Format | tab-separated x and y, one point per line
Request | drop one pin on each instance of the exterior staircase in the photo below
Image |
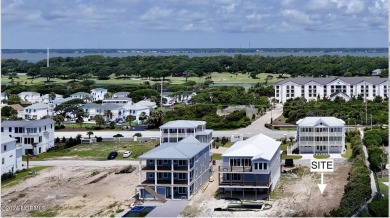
290	149
155	194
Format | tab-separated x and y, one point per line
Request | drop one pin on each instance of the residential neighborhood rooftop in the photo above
27	123
326	80
329	121
183	123
6	139
38	106
258	146
184	149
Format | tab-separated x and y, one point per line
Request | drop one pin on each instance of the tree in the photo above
156	118
130	119
14	99
89	134
224	140
13	76
59	119
291	139
108	114
80	114
143	117
8	111
70	106
48	73
99	120
52	96
108	95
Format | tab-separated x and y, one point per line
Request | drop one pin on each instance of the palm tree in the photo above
291	139
89	134
108	114
52	96
130	119
108	95
99	120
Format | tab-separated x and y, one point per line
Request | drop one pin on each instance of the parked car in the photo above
112	155
126	154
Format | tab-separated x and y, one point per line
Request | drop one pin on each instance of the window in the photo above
165	161
233	176
256	166
181	190
9	129
265	165
40	130
182	162
2	129
182	176
260	166
5	147
40	139
150	175
2	161
17	139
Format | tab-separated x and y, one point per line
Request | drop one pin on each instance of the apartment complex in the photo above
331	87
250	168
320	135
35	136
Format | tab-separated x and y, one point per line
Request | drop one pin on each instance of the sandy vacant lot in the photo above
66	192
301	196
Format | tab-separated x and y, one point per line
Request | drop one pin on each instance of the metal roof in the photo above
80	93
38	106
183	124
90	105
315	121
255	147
184	149
327	80
27	123
6	139
98	89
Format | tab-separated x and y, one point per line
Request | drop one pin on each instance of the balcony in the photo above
165	182
244	183
226	168
164	168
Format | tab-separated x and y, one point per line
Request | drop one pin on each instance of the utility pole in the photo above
161	93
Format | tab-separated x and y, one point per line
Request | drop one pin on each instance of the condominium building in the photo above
331	87
320	135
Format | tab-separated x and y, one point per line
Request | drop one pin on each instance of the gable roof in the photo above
258	146
184	149
90	105
121	93
27	123
80	93
6	139
38	106
29	93
312	121
183	123
327	80
17	107
98	89
109	106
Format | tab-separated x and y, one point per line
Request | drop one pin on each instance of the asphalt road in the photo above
255	128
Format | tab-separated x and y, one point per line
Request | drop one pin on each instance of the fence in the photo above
130	139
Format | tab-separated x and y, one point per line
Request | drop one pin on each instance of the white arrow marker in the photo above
322	186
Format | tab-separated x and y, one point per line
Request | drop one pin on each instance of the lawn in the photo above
227	145
217	157
21	176
285	156
216	77
226	78
99	150
384	189
348	153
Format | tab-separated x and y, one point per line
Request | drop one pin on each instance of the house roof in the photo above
6	139
205	132
146	103
17	107
98	89
80	93
312	121
38	106
90	105
29	93
327	80
258	146
184	149
120	98
109	106
340	94
183	123
27	123
134	107
122	93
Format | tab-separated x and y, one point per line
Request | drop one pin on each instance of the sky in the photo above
38	24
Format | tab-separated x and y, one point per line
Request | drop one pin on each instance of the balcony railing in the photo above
243	183
165	168
227	168
165	182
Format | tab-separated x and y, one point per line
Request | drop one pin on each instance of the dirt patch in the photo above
65	191
296	194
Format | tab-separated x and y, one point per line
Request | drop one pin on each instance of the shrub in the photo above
57	140
99	139
138	134
224	140
118	135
